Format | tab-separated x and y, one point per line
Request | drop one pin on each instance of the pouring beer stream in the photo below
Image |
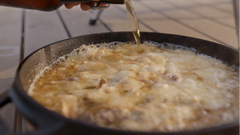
129	9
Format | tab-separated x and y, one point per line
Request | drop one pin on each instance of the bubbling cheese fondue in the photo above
140	88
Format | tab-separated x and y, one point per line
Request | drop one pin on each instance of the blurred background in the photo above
22	31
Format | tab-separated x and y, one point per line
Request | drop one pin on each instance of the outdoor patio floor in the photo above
23	31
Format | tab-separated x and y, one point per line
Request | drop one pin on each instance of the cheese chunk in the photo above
140	88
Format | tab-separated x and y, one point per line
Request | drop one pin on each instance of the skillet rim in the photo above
23	94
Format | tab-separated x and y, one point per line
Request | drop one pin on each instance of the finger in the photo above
102	5
70	5
85	6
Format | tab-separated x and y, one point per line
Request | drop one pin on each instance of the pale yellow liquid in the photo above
132	16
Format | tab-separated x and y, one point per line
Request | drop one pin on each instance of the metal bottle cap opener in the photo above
95	4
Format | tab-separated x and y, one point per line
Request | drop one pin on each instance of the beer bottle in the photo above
48	5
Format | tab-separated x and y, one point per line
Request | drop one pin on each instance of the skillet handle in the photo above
40	130
4	99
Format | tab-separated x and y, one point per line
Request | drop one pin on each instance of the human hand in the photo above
84	6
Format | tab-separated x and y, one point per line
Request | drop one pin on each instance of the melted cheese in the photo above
140	88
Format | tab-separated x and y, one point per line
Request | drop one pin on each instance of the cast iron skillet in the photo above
50	123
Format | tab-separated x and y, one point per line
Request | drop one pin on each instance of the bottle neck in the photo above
103	1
